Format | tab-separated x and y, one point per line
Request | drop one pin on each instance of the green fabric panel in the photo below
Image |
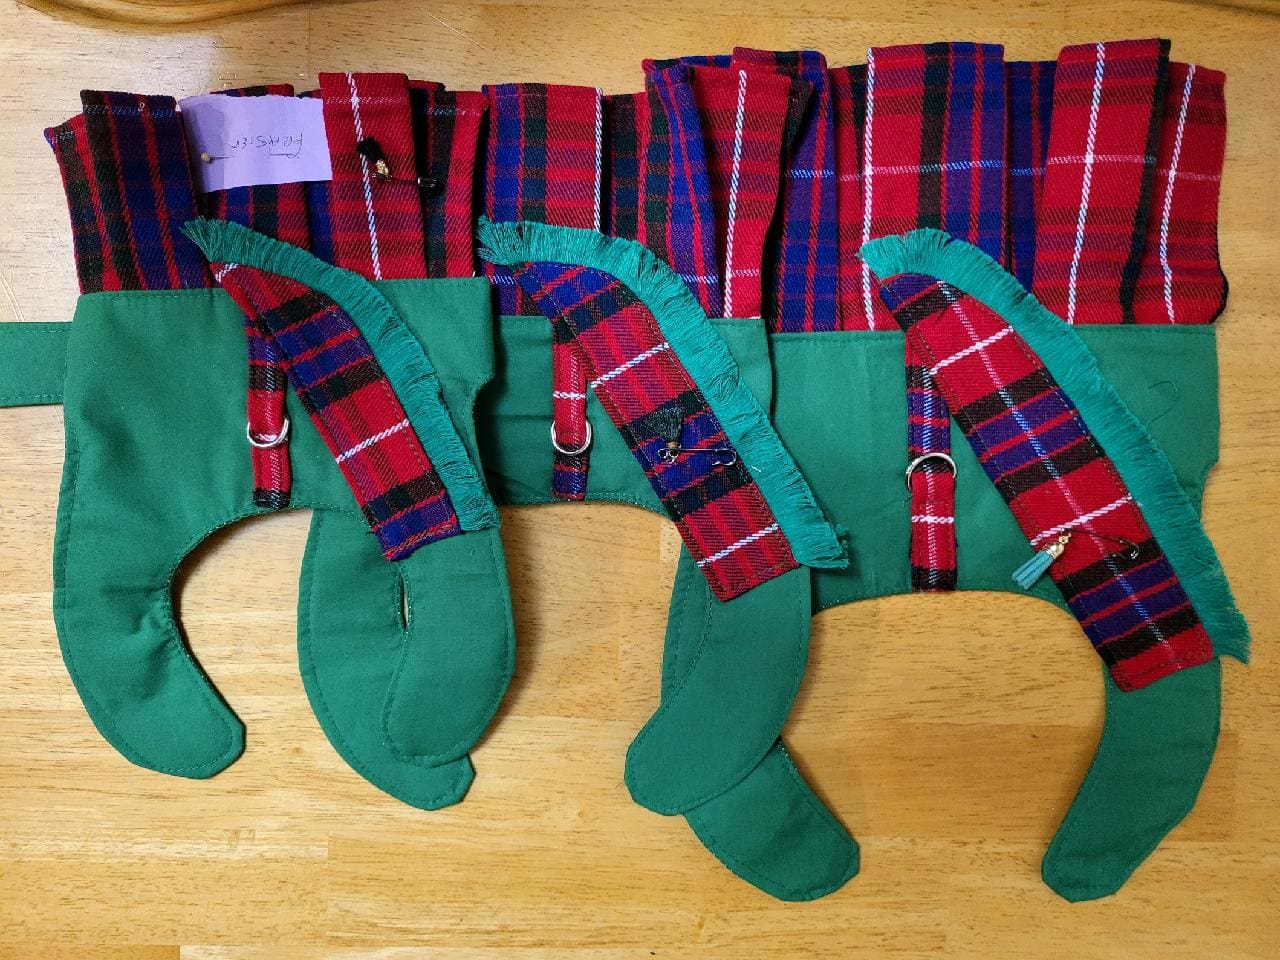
33	361
734	691
1157	744
350	640
459	652
146	480
515	416
769	828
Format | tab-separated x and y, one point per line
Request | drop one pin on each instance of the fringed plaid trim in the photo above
280	211
353	405
136	154
375	221
545	165
1099	178
446	133
1049	468
681	445
742	113
676	219
1030	92
1179	279
801	285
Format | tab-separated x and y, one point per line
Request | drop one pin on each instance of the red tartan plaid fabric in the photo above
705	488
135	153
446	134
801	286
742	113
1179	278
353	405
545	157
859	306
94	267
280	211
1099	177
1049	468
376	224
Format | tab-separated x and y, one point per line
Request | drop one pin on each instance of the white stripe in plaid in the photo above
1168	194
633	362
1087	181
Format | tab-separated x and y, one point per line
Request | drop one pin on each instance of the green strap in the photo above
351	639
1157	744
33	363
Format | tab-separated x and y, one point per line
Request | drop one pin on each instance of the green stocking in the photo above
1157	744
768	826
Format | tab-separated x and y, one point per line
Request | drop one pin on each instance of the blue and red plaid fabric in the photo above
94	268
800	288
1099	178
319	200
1049	468
545	164
1179	279
135	154
353	405
743	113
446	136
704	486
375	223
280	211
1030	92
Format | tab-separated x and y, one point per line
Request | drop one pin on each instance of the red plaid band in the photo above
446	134
280	211
1099	178
135	153
94	267
353	405
743	113
545	165
705	488
1179	277
1049	468
801	284
375	223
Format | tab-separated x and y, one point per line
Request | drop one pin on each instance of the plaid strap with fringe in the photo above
545	165
667	422
353	405
375	223
1049	468
280	211
801	284
1099	178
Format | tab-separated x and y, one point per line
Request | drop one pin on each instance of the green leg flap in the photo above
1157	744
459	651
351	640
733	692
769	828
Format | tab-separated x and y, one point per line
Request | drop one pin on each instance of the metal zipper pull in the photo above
371	150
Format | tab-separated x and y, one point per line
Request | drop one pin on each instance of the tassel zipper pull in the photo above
1035	568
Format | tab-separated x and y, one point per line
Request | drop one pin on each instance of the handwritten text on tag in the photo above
245	141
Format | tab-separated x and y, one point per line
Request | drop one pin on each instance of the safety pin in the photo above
672	452
372	152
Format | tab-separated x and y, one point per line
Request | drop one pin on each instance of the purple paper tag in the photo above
246	141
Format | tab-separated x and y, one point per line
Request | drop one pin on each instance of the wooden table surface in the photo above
951	773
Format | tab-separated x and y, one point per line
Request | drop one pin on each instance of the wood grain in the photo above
949	733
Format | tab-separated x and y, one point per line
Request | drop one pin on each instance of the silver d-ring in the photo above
919	461
575	452
267	443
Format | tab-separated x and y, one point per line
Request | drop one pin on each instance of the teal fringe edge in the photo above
395	348
814	542
1142	464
